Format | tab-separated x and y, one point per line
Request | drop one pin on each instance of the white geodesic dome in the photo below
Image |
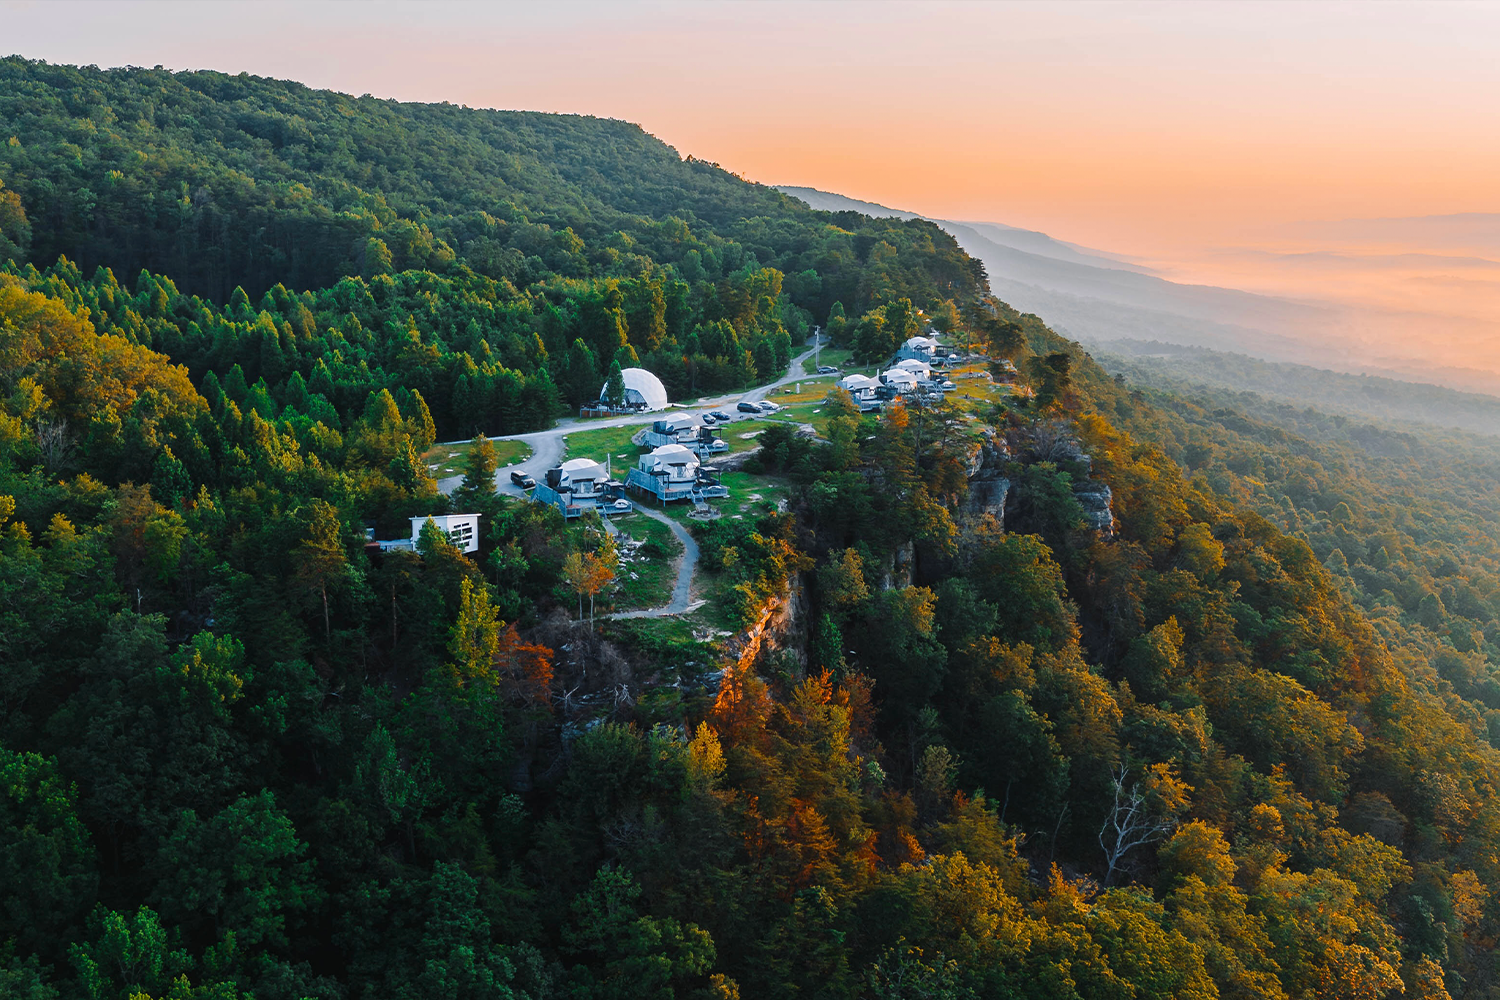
641	388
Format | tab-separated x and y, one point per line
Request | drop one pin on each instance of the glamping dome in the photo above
899	377
673	461
643	390
583	475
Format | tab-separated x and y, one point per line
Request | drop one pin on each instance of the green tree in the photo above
1051	377
127	955
240	872
375	258
479	467
626	955
321	559
614	389
47	862
15	229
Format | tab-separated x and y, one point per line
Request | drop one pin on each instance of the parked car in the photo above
748	407
720	416
827	370
522	480
709	418
767	406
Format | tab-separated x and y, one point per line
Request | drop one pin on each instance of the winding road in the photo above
549	446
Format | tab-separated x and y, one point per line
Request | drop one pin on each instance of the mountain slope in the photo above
225	181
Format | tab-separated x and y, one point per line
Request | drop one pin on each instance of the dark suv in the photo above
522	480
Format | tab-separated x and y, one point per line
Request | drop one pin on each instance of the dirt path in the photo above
682	590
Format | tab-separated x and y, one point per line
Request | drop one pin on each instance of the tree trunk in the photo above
327	628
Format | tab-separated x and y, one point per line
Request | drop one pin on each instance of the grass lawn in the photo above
810	389
838	357
653	573
742	435
975	393
750	496
445	460
612	441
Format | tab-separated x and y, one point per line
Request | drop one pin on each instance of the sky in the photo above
1133	126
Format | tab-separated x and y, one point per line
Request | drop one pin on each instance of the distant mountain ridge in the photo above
1024	240
1097	297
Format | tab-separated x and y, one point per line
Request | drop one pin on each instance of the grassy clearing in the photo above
975	393
446	460
806	391
750	496
602	441
645	580
742	435
688	645
838	357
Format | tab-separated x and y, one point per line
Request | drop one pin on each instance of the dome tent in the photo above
582	470
642	390
671	460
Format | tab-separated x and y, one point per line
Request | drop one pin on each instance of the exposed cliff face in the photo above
1097	501
781	624
900	567
988	485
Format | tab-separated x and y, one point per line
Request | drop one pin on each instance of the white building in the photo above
679	428
920	368
462	529
643	391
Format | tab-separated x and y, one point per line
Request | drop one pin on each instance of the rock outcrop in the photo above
1097	501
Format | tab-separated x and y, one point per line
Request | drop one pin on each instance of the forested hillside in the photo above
549	247
1101	691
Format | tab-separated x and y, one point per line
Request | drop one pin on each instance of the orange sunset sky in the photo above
1199	137
1125	125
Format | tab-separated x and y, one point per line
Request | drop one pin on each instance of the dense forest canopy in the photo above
513	257
1116	688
